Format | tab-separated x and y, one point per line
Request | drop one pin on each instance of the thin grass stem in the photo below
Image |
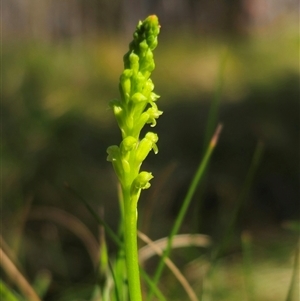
100	221
216	100
240	201
117	294
153	286
210	127
186	202
246	240
6	293
16	276
294	284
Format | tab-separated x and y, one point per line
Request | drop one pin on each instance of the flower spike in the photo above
136	108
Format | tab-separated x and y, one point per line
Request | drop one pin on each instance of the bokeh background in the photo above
61	61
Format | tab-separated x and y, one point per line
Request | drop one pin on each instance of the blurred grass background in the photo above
60	67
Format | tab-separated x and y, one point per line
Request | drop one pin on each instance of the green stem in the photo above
187	200
131	251
240	202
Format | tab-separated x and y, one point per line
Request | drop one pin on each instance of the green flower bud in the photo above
141	121
138	97
154	96
134	62
113	153
146	34
118	111
139	81
115	157
145	146
148	87
120	114
152	27
125	84
149	66
153	114
141	181
143	47
129	123
125	166
128	144
152	41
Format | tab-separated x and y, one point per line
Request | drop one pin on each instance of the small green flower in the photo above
145	146
139	183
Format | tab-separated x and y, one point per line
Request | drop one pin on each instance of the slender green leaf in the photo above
186	202
100	221
7	294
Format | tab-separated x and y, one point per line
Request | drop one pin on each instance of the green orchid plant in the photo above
136	108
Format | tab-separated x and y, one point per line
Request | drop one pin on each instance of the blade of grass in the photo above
22	217
42	282
121	275
294	284
246	240
210	126
6	293
117	294
146	216
186	202
215	104
103	277
240	201
16	276
100	221
153	286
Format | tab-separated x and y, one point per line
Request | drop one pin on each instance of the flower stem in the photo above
131	253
